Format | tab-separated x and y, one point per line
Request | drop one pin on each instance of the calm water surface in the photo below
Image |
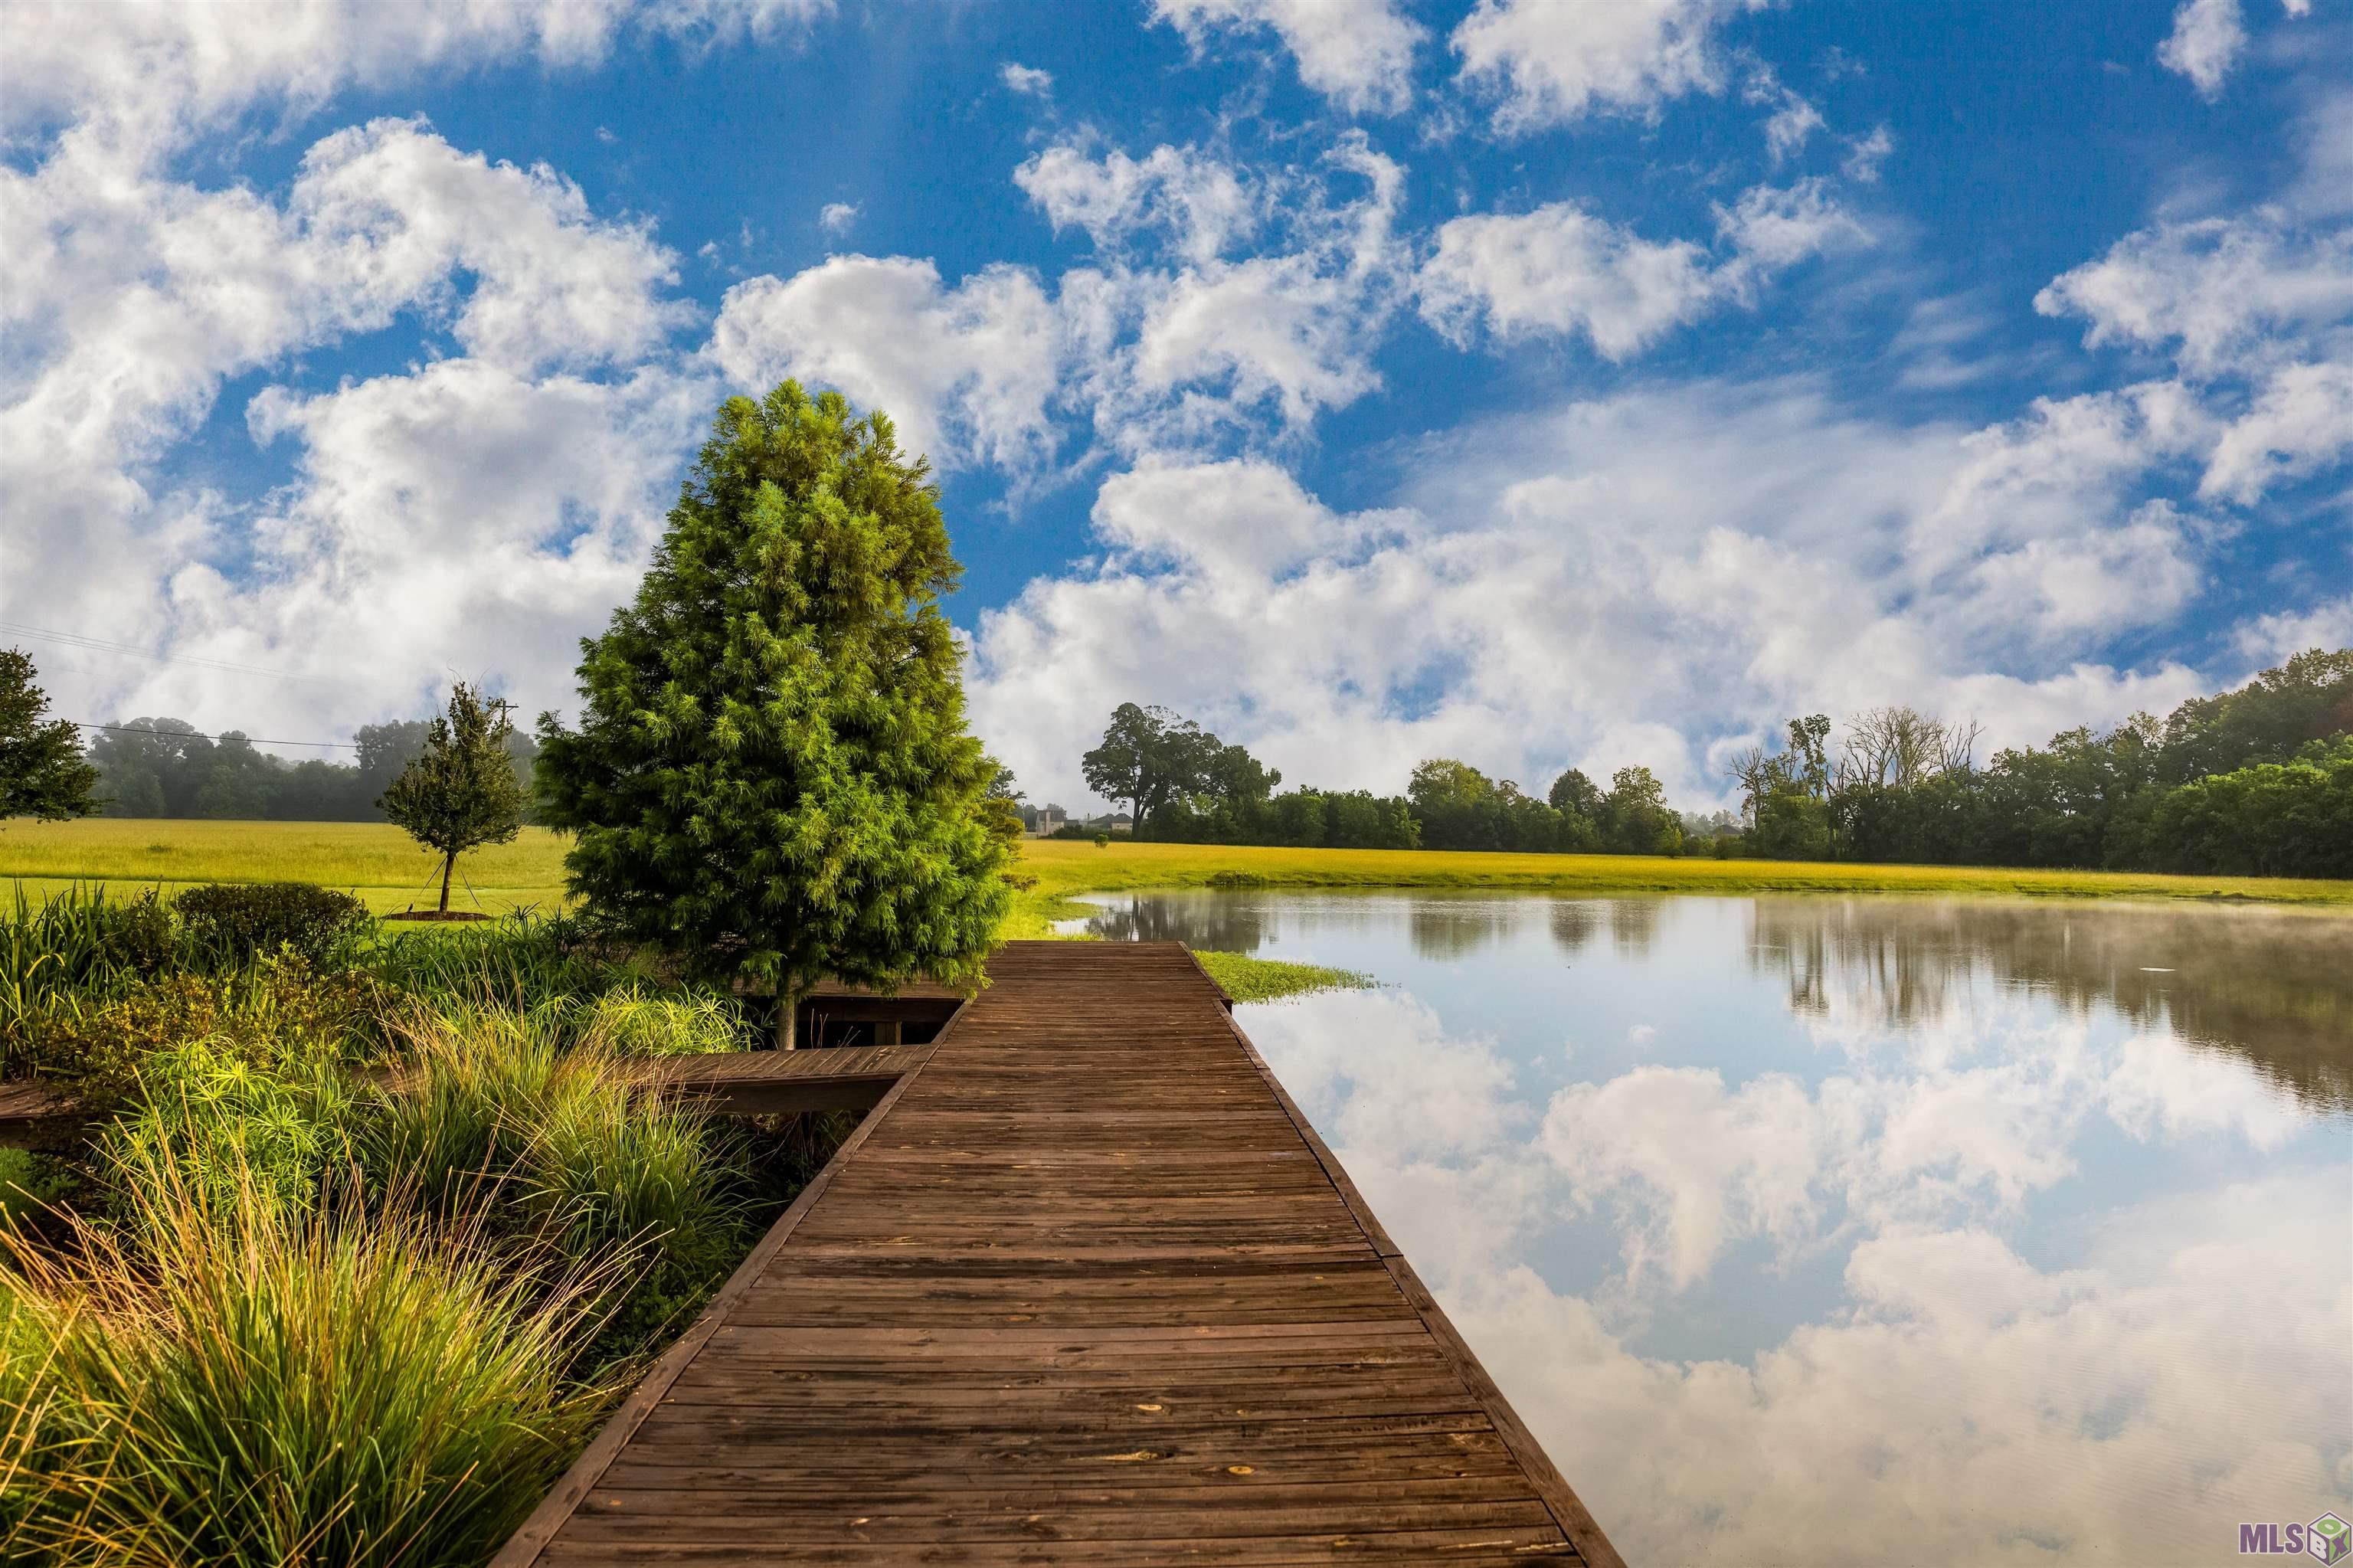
1861	1231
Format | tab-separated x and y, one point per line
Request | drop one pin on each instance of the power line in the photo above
101	645
199	734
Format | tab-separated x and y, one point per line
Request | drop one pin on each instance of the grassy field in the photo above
382	866
374	860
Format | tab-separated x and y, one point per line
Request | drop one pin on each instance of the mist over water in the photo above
1858	1230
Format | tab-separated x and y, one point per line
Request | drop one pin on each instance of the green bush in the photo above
234	922
293	1389
30	1184
277	1009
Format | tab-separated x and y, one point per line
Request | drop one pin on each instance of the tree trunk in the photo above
787	1004
448	862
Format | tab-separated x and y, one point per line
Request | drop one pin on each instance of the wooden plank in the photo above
1085	1288
34	1114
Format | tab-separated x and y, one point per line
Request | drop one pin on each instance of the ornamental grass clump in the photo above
523	963
500	1124
287	1390
455	1131
632	1021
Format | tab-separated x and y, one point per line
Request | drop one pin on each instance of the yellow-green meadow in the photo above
389	872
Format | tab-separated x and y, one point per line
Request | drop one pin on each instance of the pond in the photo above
1858	1230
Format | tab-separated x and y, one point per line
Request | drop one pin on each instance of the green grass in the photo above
1064	867
309	1389
385	869
1247	979
376	860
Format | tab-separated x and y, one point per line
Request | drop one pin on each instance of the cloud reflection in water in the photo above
2010	1250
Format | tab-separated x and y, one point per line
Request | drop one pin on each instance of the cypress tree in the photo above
772	777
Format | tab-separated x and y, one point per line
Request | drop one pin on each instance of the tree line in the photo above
2257	782
1183	784
166	767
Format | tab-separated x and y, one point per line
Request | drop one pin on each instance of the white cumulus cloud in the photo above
1562	270
1358	53
1547	62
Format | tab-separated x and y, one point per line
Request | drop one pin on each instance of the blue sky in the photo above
1536	383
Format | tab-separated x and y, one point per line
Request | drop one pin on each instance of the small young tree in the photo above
461	791
772	776
42	770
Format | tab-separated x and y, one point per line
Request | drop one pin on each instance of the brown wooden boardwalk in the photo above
1083	1288
767	1083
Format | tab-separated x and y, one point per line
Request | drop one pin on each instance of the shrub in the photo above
30	1184
293	1389
234	922
275	1011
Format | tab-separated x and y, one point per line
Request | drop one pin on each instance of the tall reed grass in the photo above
337	1388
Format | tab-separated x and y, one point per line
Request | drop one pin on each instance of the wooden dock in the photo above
774	1083
1085	1288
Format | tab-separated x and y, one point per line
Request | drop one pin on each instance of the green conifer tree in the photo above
772	776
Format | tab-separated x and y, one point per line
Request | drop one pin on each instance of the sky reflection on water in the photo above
1862	1231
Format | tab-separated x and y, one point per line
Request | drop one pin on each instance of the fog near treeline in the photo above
166	767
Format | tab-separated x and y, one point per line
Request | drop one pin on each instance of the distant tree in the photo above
1573	791
1236	780
2310	697
239	782
152	766
1000	803
522	755
772	776
384	750
1635	816
1149	757
461	792
42	770
1809	742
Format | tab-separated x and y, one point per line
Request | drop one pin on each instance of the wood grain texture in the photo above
1085	1288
